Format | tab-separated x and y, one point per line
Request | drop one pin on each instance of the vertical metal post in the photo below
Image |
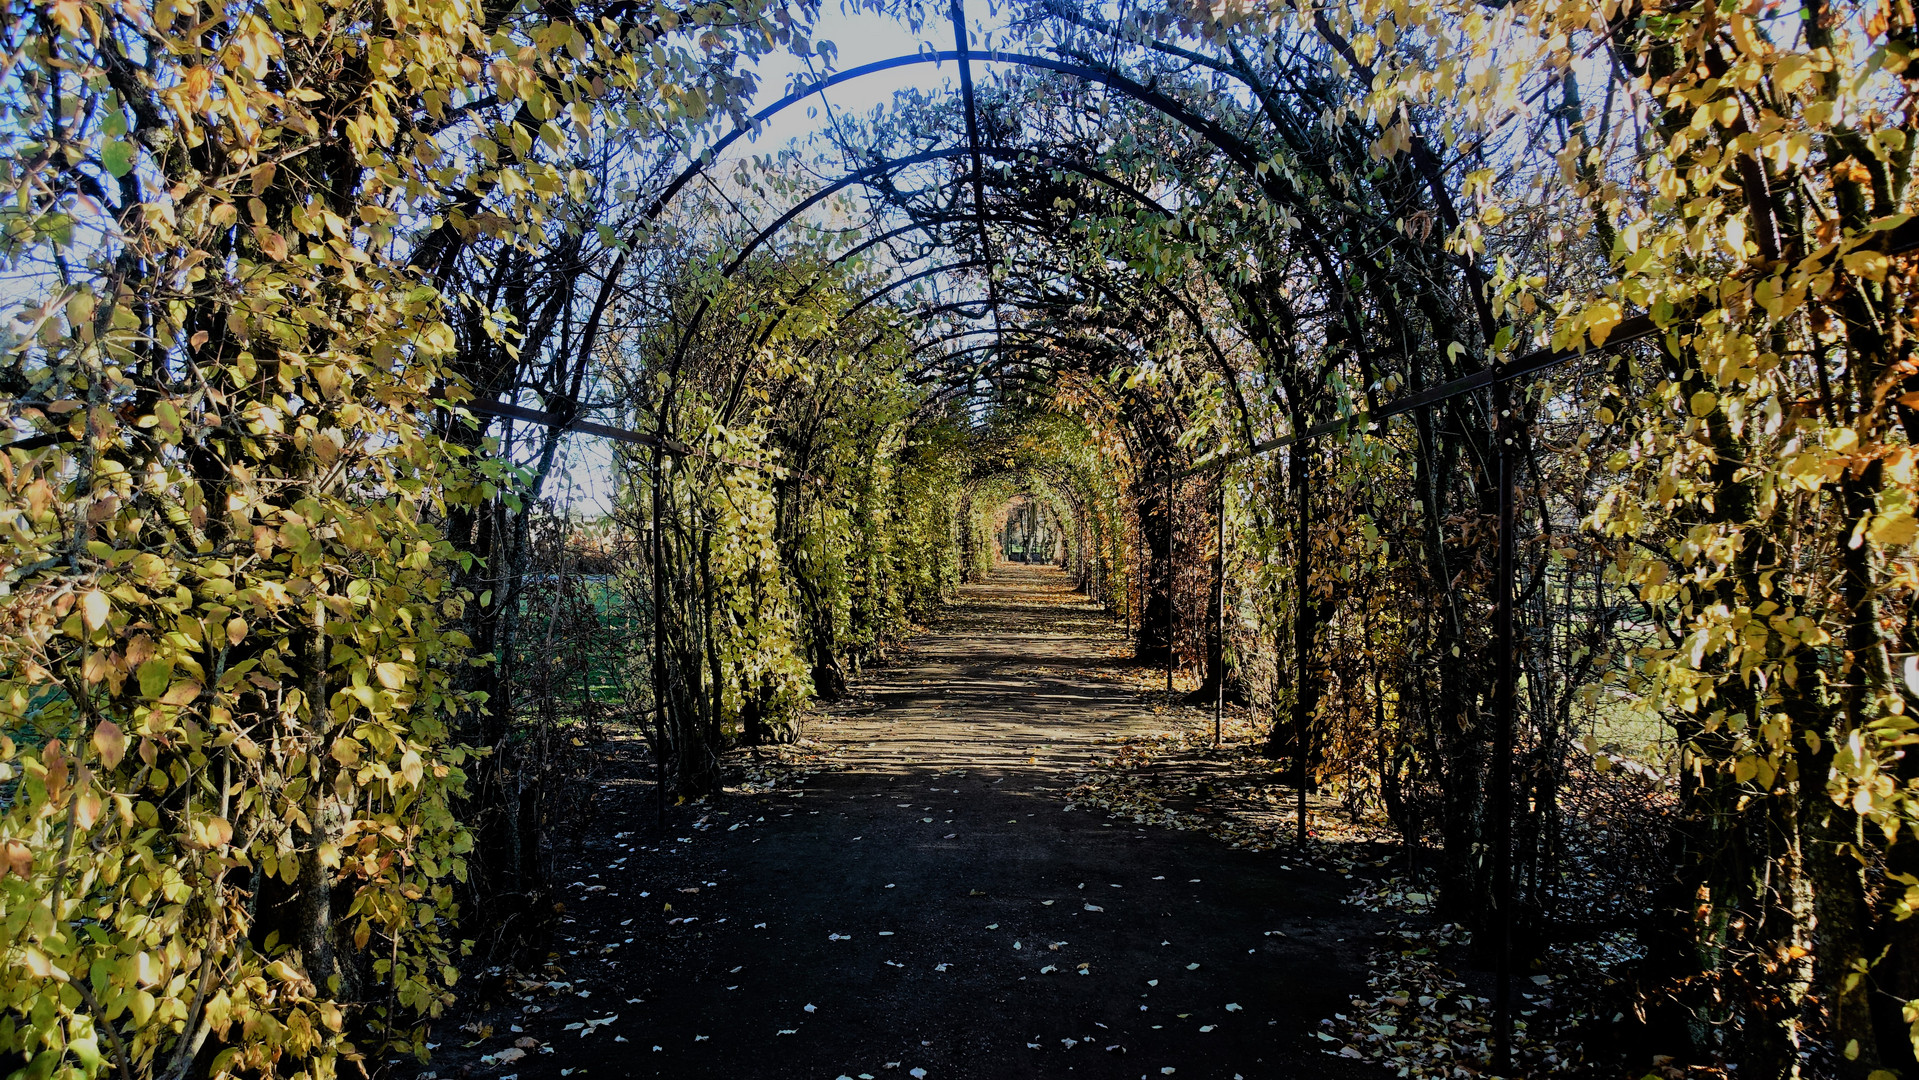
1506	428
1219	609
1167	506
963	45
1302	576
661	695
1136	577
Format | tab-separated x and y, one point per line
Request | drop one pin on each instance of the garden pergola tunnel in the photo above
961	366
1503	418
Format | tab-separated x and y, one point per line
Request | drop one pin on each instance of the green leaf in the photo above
154	677
117	158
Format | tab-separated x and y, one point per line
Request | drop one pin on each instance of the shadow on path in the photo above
938	904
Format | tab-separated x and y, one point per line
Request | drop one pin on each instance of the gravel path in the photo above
930	902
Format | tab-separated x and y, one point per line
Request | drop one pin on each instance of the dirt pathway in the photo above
934	903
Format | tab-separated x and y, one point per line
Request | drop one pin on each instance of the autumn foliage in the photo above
274	717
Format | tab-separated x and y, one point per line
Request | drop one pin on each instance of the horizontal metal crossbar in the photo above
1899	241
576	423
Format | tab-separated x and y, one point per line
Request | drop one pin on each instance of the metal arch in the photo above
1235	148
705	304
1032	331
1186	309
1002	347
962	46
881	168
1013	154
739	383
1069	342
962	306
1087	171
869	298
746	251
1021	329
845	256
1115	284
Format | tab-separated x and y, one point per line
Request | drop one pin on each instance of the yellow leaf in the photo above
86	809
180	693
1895	529
110	743
93	609
285	972
391	675
273	245
1867	264
1601	318
410	767
1703	403
212	832
236	630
